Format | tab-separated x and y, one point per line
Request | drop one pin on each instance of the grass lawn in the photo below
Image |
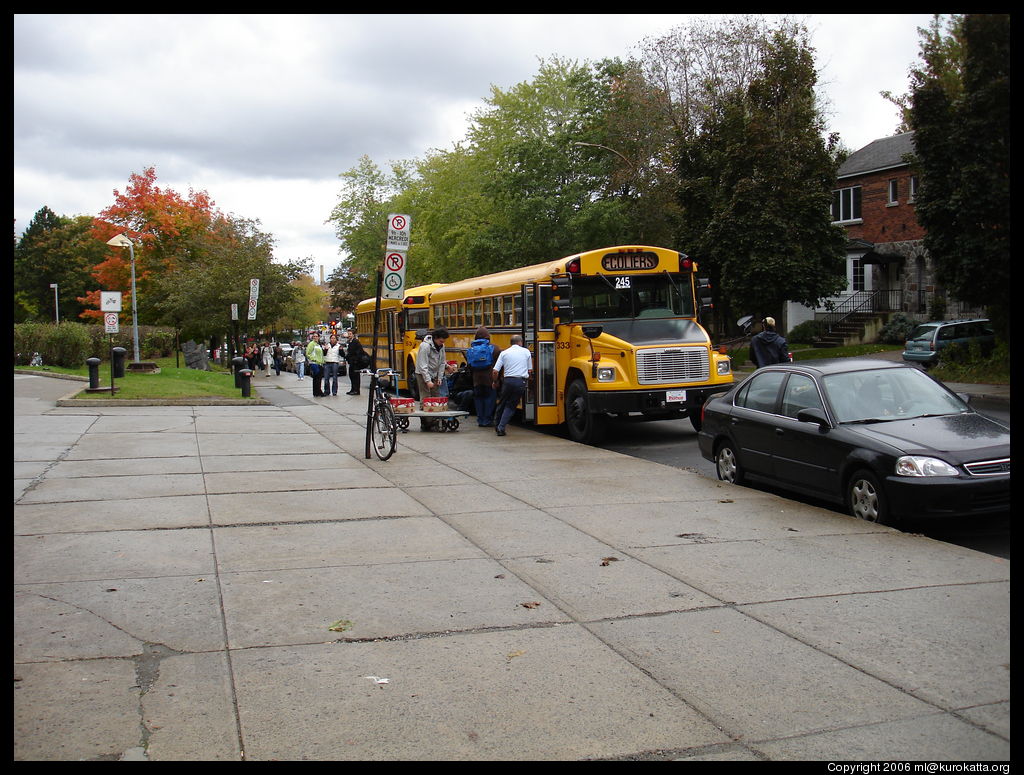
171	382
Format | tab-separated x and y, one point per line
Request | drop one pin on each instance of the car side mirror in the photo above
815	416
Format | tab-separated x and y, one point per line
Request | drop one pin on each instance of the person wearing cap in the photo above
768	347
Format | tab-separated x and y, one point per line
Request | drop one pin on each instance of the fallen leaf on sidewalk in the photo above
530	605
340	626
512	655
608	560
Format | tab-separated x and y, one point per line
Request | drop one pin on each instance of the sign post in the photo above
254	297
390	285
111	326
393	282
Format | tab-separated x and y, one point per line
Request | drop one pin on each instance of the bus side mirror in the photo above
561	299
704	302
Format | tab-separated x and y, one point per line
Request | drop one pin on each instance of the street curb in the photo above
68	400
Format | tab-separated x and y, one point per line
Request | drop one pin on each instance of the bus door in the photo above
539	337
394	338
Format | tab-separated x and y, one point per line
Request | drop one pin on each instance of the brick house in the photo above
887	267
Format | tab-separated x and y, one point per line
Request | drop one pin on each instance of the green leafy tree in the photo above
360	215
347	288
942	55
197	296
54	249
755	185
961	119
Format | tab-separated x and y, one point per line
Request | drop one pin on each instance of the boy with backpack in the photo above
481	357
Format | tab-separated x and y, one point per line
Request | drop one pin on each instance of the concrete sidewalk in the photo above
220	583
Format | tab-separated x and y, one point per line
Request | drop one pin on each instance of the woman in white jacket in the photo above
268	358
299	358
334	353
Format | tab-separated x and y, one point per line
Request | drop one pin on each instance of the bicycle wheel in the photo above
383	429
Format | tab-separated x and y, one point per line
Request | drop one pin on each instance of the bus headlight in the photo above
605	374
724	367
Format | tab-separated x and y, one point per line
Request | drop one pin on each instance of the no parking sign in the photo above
394	276
393	279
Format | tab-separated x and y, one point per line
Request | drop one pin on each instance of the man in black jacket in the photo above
768	347
357	359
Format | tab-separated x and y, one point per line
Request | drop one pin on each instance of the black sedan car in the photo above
882	438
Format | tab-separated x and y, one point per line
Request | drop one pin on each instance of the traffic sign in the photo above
398	232
254	296
110	324
393	280
110	301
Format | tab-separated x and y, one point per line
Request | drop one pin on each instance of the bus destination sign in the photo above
629	262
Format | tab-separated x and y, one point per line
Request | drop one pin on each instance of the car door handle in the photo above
779	432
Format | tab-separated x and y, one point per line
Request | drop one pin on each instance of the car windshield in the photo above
879	395
604	297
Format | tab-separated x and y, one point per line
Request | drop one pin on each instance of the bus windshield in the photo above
606	297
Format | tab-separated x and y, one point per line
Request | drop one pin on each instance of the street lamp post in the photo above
121	241
56	303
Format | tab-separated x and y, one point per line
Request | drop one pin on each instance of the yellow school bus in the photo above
402	324
614	333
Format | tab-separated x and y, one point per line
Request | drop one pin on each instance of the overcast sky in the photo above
265	111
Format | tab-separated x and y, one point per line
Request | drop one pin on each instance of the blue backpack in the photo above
480	354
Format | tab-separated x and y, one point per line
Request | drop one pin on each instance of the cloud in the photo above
265	111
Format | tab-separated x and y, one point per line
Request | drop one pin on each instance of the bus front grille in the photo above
672	364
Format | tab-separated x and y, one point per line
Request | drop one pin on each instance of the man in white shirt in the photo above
514	367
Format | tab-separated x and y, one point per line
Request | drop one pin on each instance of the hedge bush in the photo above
69	344
897	330
808	332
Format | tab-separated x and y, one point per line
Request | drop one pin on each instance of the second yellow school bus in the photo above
400	322
614	333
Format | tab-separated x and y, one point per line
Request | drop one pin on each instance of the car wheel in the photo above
728	464
866	499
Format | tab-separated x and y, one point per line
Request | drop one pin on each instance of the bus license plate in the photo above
672	396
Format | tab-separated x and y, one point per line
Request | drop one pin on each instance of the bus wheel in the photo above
584	427
410	380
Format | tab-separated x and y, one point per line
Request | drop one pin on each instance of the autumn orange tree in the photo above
191	260
165	227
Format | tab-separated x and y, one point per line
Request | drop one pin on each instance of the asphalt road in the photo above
675	443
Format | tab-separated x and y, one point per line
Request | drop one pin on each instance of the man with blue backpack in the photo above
481	357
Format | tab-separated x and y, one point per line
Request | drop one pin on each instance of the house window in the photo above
894	192
913	187
846	204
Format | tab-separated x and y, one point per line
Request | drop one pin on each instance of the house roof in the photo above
882	154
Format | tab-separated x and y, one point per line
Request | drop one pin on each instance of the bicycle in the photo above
381	423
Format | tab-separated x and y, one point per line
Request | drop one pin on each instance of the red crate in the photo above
403	405
435	404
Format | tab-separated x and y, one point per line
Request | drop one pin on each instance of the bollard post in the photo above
246	376
117	362
237	364
94	372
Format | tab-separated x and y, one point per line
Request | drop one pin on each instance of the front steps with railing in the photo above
856	328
